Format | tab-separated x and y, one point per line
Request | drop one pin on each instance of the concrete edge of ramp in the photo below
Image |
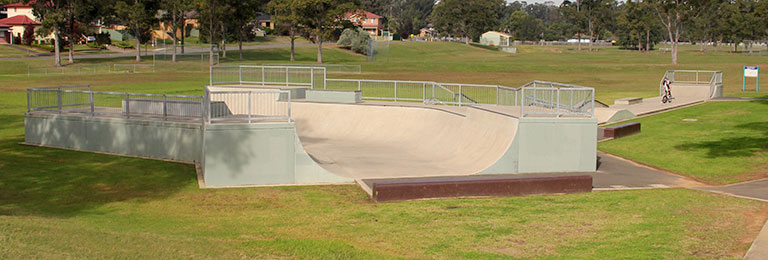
260	154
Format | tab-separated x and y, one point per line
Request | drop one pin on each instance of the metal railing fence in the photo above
69	99
247	106
556	99
313	77
702	77
330	68
133	68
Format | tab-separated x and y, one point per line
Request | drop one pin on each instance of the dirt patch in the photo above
754	222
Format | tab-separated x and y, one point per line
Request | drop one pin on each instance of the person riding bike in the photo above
667	91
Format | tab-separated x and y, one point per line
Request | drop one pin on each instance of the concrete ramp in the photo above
683	94
377	141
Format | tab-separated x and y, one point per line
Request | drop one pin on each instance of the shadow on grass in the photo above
740	146
48	182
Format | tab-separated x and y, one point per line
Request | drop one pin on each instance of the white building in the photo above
494	38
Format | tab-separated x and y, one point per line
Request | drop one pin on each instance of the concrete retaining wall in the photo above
550	145
154	139
259	154
334	96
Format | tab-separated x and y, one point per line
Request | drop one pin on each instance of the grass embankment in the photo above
66	204
727	143
9	52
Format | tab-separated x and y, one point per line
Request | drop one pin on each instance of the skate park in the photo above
280	125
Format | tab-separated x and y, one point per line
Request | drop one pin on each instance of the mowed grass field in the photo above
67	204
715	142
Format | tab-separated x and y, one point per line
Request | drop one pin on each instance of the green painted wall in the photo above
334	96
154	139
259	154
550	145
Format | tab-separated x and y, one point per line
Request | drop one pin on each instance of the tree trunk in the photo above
647	41
466	40
591	35
183	30
174	27
319	41
57	45
71	48
138	44
578	36
240	43
293	38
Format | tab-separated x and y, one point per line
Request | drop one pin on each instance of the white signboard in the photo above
751	72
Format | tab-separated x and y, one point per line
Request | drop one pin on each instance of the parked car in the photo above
90	38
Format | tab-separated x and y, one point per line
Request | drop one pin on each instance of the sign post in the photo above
751	72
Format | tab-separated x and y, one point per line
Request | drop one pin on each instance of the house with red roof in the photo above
370	22
19	17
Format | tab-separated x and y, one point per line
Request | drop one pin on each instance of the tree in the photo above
410	16
672	14
29	34
285	14
525	27
139	16
211	14
52	15
572	13
355	39
321	18
242	14
637	26
174	12
468	19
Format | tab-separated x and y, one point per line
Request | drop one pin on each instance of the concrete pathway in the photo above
756	190
759	248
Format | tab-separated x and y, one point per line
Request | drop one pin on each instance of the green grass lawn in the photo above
727	143
8	52
66	204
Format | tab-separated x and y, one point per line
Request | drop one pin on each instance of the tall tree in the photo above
322	17
139	16
243	13
174	16
573	14
468	19
52	16
284	13
672	14
212	13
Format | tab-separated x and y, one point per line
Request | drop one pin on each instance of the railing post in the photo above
325	78
557	103
165	107
289	105
240	75
593	103
92	102
28	103
423	91
360	86
395	91
312	77
287	76
210	76
127	105
460	97
61	106
250	94
263	80
522	102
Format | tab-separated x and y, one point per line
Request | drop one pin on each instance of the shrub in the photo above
356	40
103	38
29	34
96	45
123	45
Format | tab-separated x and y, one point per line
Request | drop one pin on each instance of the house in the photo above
15	27
19	16
370	22
494	38
264	20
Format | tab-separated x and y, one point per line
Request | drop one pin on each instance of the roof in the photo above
363	13
17	5
501	33
18	20
261	16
